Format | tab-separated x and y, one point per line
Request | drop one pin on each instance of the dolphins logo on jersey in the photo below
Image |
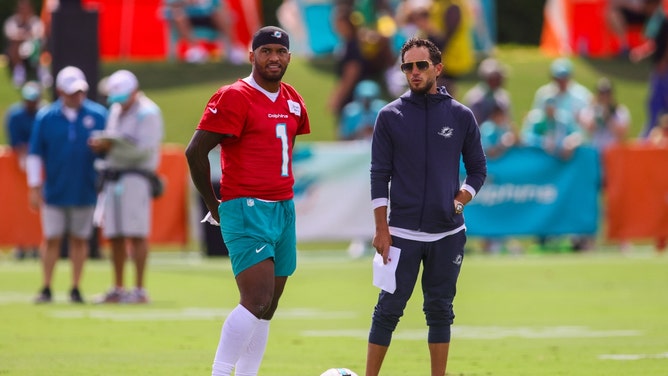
446	132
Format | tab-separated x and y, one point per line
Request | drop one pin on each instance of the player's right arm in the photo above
197	154
382	240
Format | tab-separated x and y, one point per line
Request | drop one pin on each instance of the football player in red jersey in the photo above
255	120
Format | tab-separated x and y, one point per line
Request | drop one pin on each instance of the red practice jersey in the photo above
256	160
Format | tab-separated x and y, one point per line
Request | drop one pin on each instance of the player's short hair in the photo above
434	52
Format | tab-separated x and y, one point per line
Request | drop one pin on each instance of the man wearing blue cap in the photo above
131	141
20	118
255	120
18	125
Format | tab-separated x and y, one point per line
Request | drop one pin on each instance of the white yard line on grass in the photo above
140	313
489	332
633	356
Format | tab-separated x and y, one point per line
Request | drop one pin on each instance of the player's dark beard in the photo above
272	77
424	89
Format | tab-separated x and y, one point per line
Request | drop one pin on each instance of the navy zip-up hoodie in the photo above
417	143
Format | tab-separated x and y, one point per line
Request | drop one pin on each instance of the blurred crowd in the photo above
370	32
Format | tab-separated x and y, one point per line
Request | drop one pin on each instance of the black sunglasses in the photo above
421	65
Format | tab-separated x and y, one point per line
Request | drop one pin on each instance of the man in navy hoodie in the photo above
417	144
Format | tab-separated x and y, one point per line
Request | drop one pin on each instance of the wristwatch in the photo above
459	207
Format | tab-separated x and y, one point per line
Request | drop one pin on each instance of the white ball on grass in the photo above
338	372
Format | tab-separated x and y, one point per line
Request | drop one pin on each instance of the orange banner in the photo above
19	225
636	187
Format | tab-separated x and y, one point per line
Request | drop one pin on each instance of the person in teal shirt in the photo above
569	96
497	133
359	116
552	129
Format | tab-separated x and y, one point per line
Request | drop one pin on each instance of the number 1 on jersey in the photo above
282	134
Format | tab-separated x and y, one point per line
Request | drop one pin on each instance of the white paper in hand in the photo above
384	274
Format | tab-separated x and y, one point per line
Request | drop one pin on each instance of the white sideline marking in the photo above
489	332
8	297
496	332
134	313
632	356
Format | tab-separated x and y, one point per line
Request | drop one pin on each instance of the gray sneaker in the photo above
113	295
136	296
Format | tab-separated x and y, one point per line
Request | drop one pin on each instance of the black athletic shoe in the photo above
75	296
44	296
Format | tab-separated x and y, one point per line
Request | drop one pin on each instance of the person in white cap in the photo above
131	141
61	175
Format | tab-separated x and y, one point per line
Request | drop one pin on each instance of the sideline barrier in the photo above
332	190
170	211
21	225
527	193
636	192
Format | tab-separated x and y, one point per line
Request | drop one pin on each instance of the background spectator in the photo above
131	142
20	118
352	66
61	175
455	21
605	121
656	48
622	14
489	94
359	116
18	125
497	133
185	15
555	131
24	32
564	91
659	134
551	129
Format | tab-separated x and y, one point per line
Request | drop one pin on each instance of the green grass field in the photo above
599	313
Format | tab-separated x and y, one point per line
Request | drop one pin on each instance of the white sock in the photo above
234	337
250	359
